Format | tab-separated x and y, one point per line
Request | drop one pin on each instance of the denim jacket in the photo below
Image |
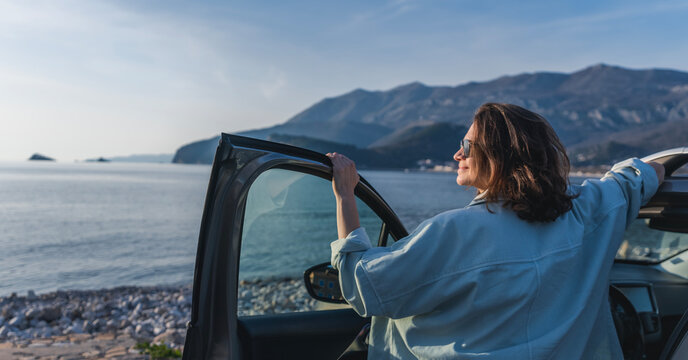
469	283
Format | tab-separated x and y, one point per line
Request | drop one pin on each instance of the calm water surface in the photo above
96	225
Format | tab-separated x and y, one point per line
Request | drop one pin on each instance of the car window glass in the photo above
652	245
289	223
682	171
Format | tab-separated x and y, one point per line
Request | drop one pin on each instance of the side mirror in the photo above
322	283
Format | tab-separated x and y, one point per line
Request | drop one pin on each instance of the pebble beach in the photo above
107	323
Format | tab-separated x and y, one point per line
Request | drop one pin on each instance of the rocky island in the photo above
40	157
100	159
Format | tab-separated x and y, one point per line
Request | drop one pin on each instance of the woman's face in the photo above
468	171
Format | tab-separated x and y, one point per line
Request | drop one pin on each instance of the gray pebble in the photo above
51	313
158	330
88	315
32	313
17	321
76	328
128	331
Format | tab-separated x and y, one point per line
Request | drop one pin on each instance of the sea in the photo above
102	225
93	225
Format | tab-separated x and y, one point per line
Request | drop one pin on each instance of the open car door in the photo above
651	266
269	215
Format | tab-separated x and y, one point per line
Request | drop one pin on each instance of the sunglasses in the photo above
466	147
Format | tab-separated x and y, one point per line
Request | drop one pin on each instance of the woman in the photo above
520	273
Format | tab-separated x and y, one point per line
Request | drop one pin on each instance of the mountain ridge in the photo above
593	103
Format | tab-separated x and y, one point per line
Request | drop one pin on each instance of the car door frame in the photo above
213	331
670	201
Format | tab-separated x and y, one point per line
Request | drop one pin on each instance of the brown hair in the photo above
524	161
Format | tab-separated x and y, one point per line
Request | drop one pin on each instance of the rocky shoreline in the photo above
140	312
71	318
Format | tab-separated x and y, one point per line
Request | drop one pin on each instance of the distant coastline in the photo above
422	166
585	171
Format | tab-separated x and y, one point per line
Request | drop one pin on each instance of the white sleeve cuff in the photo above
357	240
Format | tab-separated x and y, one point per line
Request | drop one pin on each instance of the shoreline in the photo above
93	322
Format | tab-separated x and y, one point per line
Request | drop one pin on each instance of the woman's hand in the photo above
344	175
659	169
344	180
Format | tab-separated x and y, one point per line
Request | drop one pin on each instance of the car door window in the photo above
289	223
682	171
642	243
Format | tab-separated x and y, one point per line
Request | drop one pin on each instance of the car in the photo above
269	213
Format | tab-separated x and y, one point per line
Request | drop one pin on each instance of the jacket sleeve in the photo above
638	183
388	281
618	195
353	281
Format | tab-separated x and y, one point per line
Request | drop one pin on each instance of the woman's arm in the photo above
344	180
408	277
638	182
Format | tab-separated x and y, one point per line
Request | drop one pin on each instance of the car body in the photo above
251	185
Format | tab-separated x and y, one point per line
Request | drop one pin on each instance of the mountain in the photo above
198	152
637	142
600	98
355	133
364	158
598	105
435	141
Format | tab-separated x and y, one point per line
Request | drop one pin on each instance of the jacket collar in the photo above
479	199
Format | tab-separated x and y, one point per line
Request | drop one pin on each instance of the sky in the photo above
84	79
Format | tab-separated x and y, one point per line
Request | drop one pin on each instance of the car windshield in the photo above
641	243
